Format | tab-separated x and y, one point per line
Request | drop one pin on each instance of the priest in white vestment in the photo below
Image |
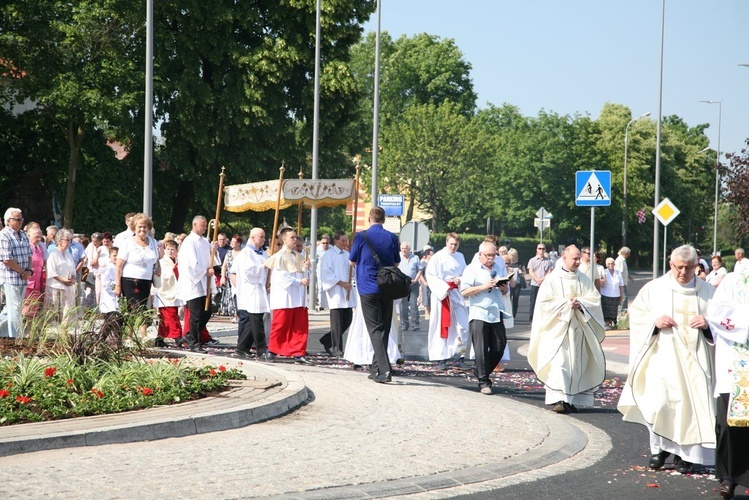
448	321
335	280
249	278
728	315
670	382
566	334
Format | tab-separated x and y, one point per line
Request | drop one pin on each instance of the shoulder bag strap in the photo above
371	249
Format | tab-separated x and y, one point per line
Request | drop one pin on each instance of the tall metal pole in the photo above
148	111
376	121
717	176
315	154
658	146
624	198
717	183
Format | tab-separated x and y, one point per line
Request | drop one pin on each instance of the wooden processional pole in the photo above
215	237
272	248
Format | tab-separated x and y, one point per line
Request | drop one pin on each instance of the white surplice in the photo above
193	262
443	267
359	350
565	347
728	314
166	293
335	267
251	278
669	387
287	272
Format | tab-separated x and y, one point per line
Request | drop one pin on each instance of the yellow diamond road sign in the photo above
666	211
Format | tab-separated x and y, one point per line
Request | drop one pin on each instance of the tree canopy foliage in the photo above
234	88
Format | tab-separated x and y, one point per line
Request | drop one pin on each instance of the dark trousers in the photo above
251	329
515	297
534	294
489	341
340	320
378	315
410	305
731	458
198	319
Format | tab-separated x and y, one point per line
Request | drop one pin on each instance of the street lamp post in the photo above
717	176
624	199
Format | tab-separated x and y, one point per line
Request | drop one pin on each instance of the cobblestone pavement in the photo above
353	438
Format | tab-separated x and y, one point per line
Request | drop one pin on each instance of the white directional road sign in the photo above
593	188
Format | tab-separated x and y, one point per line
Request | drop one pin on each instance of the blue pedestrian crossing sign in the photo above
593	188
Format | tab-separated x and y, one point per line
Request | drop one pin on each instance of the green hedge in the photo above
469	244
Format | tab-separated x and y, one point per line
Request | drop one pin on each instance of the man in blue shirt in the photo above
377	310
409	305
486	307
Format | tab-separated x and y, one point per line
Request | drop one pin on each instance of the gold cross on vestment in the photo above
686	316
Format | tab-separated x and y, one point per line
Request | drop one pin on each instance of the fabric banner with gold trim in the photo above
261	196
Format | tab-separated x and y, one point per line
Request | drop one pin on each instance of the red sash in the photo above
445	321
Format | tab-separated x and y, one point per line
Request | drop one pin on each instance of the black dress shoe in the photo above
241	354
159	342
383	379
657	460
727	489
302	360
198	349
180	341
682	466
571	408
268	357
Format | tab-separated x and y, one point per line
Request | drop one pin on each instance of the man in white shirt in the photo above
249	277
409	306
485	311
620	264
195	276
129	231
585	267
335	281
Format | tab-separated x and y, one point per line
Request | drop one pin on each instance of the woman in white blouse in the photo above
715	276
59	297
137	262
612	292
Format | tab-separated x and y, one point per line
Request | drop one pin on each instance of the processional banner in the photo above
261	196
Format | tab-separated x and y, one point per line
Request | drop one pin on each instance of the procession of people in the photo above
689	354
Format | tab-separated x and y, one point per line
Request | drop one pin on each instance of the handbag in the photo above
391	281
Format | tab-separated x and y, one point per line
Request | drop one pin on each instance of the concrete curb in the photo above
268	393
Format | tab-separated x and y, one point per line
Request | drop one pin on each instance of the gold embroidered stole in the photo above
738	403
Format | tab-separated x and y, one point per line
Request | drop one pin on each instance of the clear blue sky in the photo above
573	56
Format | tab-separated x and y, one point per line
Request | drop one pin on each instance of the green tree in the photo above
77	62
241	95
430	154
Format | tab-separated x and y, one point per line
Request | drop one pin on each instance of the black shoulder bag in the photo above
391	281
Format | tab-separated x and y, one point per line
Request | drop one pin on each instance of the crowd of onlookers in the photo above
70	273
